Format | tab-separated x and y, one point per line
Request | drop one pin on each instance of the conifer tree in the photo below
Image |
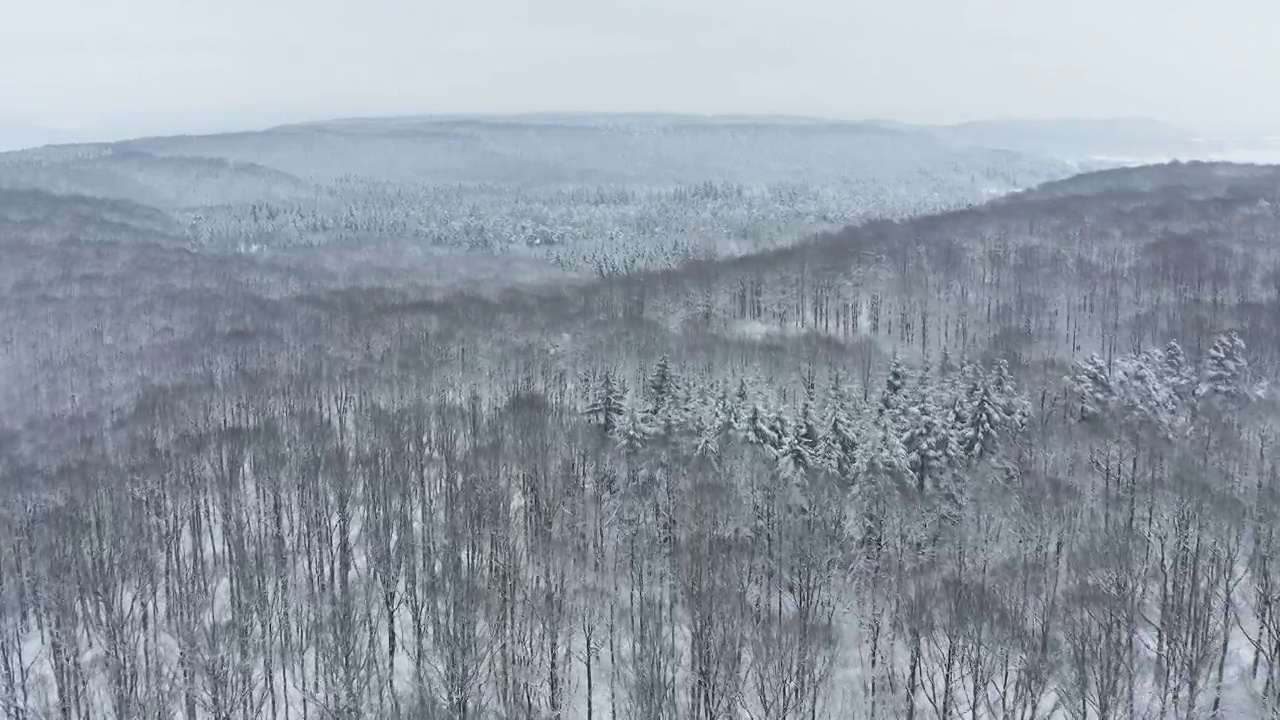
1224	380
607	403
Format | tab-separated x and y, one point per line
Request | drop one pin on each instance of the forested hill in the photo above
1107	262
41	217
1011	461
588	194
1198	179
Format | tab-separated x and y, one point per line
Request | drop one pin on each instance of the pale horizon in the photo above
125	128
149	67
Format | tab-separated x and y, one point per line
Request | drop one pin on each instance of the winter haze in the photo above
679	361
151	67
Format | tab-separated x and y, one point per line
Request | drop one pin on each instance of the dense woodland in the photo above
1012	461
594	195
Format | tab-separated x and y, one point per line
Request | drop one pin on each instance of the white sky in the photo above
173	65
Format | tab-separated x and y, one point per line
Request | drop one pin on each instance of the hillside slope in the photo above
1007	460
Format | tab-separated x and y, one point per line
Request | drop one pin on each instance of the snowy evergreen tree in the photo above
895	385
1015	408
633	430
929	443
780	428
739	413
1178	372
712	422
760	428
1225	378
660	388
882	471
668	402
993	412
607	402
807	436
1091	382
1144	397
838	445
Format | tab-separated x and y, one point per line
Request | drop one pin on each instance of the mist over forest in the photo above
579	416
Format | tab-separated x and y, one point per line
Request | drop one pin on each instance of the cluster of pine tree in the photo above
672	543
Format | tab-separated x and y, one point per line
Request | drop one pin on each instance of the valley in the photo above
634	417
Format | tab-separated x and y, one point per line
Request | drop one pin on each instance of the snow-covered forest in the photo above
1015	460
605	195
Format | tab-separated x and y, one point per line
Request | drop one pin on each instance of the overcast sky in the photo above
173	65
